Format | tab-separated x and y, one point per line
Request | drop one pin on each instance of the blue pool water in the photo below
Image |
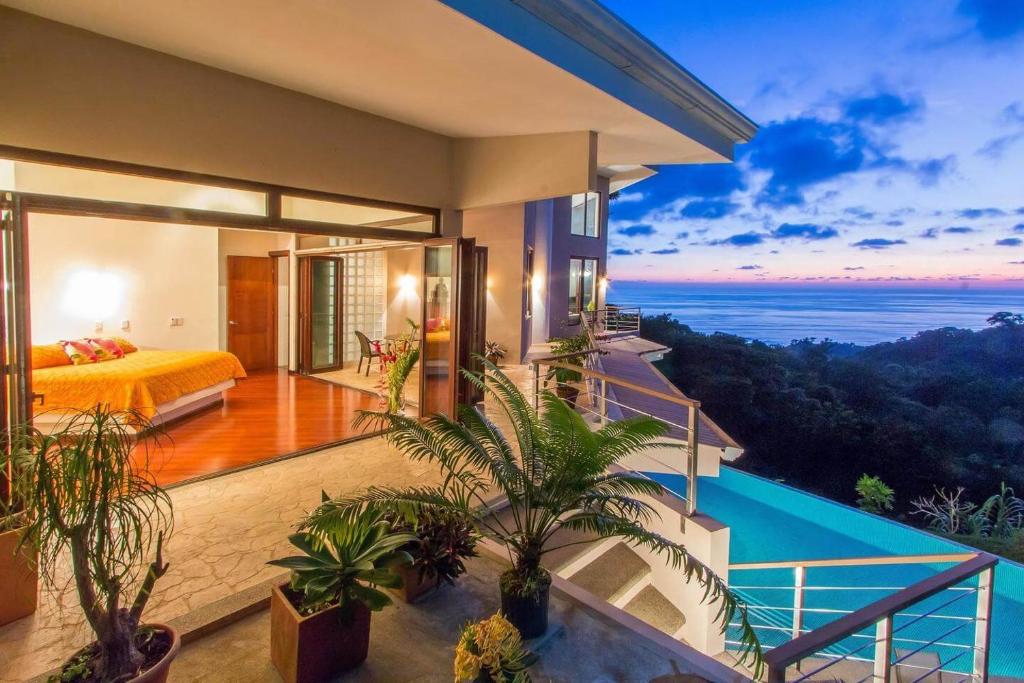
773	522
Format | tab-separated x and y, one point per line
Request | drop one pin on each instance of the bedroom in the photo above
242	342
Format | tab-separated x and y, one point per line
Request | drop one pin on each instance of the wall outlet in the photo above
126	325
99	326
177	322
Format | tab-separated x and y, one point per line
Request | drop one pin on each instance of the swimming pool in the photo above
773	522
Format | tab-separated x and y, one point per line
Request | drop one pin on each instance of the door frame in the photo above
305	355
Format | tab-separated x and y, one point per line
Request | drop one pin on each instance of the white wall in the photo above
403	267
83	270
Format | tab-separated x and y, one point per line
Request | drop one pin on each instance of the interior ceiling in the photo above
415	61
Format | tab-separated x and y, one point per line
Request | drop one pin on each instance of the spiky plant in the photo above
557	474
94	498
398	374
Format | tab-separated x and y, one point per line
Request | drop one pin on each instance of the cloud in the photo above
1009	242
973	214
709	208
854	268
1019	227
877	243
746	239
699	181
930	234
683	235
883	108
667	250
959	230
994	20
997	146
626	197
859	212
805	231
1016	263
637	230
751	267
805	151
894	223
621	252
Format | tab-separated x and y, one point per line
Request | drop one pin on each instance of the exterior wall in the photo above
403	302
565	245
85	270
540	218
502	230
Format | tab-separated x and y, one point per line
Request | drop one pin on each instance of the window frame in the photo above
574	316
586	214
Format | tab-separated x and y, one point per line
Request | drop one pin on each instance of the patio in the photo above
226	529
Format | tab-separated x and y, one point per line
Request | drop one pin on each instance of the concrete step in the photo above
613	573
654	608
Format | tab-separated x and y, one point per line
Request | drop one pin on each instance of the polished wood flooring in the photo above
267	415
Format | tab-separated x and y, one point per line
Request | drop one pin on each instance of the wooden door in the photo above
252	311
320	314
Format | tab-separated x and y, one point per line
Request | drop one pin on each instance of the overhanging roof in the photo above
465	69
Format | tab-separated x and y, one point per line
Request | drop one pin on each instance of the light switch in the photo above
126	325
99	326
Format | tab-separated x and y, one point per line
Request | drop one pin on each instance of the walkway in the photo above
225	531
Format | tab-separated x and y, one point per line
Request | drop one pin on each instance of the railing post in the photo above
536	386
883	649
983	624
691	464
798	600
604	402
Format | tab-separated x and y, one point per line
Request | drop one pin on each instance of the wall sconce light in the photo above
538	282
604	284
407	285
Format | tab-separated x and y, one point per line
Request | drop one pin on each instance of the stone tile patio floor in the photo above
417	643
226	529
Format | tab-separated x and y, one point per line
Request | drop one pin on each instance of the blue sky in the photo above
891	145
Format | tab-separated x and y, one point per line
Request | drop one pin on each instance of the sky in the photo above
890	149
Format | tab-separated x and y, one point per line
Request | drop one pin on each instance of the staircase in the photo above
614	572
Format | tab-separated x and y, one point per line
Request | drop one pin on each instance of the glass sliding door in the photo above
320	314
582	285
438	362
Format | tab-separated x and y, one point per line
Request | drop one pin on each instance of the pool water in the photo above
773	522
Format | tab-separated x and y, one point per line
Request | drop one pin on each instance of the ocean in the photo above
781	313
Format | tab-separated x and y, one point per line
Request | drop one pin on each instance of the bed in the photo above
160	385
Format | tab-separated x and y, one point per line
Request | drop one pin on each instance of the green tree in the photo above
874	496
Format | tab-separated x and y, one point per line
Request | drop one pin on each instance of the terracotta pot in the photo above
19	578
412	587
318	647
158	673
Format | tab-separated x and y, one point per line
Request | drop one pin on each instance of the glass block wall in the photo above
364	295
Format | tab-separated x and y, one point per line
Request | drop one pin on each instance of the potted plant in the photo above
443	542
320	619
494	352
559	474
566	380
94	500
18	573
492	650
399	368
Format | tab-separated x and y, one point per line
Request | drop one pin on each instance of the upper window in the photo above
584	214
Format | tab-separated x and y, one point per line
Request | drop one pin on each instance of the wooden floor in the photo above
268	414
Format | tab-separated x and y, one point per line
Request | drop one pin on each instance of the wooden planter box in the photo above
19	578
318	647
412	588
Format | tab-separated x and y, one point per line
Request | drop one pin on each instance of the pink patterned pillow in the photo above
109	347
80	351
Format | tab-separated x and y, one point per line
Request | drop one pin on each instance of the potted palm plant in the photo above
18	573
320	619
443	542
558	474
94	500
566	380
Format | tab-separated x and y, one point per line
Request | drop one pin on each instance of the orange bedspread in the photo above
140	381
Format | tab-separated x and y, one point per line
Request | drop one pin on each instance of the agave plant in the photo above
345	560
1005	512
556	474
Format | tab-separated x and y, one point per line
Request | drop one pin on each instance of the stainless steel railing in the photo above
927	618
613	320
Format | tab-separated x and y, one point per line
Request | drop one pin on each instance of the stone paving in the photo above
226	529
